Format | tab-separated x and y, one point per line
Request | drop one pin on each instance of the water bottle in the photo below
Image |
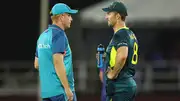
100	51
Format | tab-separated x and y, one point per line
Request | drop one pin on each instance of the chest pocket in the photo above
112	56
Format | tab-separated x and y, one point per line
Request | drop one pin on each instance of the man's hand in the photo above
69	94
36	65
111	74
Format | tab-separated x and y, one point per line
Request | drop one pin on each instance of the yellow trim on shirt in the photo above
121	28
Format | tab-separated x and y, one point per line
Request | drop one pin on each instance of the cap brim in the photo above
72	11
106	9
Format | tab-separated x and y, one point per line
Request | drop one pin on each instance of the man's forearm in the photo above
119	64
101	76
61	72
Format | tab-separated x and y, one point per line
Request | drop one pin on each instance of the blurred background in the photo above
156	24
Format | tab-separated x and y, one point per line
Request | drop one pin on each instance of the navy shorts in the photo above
128	94
59	98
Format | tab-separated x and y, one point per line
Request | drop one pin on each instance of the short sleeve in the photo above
36	53
58	42
121	39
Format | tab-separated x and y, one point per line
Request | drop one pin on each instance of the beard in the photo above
111	25
67	26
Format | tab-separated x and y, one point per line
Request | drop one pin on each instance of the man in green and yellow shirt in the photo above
121	56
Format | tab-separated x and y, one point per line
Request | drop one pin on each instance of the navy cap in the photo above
117	7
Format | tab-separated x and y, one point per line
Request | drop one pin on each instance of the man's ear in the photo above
118	16
61	16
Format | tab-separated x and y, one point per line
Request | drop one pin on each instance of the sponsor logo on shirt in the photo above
123	43
44	46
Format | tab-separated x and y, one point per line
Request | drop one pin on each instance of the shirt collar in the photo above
55	26
121	28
